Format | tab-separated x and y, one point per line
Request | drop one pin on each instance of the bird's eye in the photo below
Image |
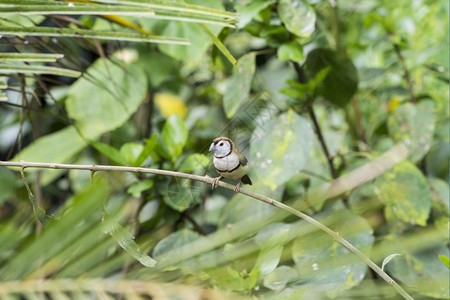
221	144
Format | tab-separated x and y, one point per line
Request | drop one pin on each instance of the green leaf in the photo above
149	211
405	192
271	248
242	207
239	86
433	161
86	33
106	98
137	188
298	16
172	242
423	271
388	259
440	193
159	67
57	147
291	51
275	74
341	82
124	238
280	148
199	40
150	144
131	152
194	162
30	57
275	35
327	265
445	260
75	219
251	10
280	277
183	193
304	91
415	125
218	43
27	69
110	152
8	184
272	235
174	136
229	279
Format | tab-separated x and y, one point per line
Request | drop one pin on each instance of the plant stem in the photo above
359	125
405	71
322	142
384	162
302	79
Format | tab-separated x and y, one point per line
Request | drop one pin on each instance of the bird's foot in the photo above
215	182
237	187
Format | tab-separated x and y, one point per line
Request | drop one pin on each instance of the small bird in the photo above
229	162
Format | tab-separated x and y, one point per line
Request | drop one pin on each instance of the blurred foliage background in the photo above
309	90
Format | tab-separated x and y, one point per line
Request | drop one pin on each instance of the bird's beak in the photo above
212	147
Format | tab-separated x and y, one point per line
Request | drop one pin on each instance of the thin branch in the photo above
149	111
359	124
387	160
323	144
405	71
302	79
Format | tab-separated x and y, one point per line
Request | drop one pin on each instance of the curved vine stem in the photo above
381	164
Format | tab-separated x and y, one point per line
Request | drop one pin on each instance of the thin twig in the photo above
385	161
359	125
322	142
405	71
302	79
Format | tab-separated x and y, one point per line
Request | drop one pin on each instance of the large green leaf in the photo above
159	67
298	17
183	193
198	38
414	124
57	147
126	240
174	136
172	242
423	272
239	86
280	148
326	265
242	207
291	51
251	10
271	240
280	277
106	98
341	82
433	162
194	163
405	192
77	218
86	33
8	184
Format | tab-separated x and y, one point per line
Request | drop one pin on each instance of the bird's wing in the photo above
242	159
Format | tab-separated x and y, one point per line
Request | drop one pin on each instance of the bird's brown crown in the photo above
222	138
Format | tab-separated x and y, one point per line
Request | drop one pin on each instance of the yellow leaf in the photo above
393	103
169	104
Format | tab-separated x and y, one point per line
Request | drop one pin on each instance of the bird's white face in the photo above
221	148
